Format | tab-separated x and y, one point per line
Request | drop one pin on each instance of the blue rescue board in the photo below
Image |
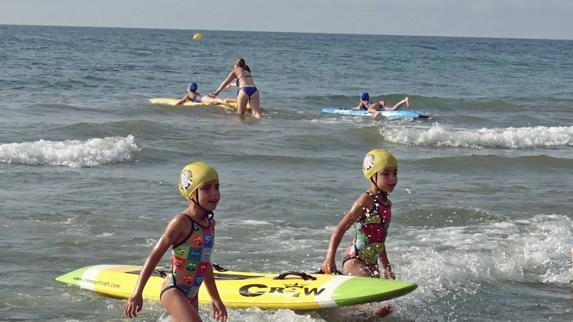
400	114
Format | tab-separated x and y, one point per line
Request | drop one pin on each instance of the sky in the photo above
546	19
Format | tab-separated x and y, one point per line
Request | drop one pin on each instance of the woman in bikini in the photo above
247	94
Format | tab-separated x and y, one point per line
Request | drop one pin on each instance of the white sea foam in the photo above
71	153
252	222
459	259
505	138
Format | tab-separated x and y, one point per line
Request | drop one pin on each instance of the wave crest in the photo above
506	138
70	153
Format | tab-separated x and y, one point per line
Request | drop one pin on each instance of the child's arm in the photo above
405	101
219	310
357	107
224	84
172	233
356	212
183	99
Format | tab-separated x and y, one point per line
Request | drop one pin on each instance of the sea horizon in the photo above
294	32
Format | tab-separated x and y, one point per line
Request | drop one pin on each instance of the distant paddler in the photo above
194	96
376	107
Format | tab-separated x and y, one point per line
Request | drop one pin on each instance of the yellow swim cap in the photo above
376	160
193	176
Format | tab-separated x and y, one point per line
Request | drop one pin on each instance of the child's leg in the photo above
375	106
179	306
405	101
375	113
374	109
229	101
356	267
383	311
211	100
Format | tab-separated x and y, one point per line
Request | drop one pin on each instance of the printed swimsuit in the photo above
190	260
371	232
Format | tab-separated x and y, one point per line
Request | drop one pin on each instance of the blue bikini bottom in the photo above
249	90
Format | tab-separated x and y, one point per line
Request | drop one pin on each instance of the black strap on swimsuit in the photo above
193	222
210	214
190	232
377	196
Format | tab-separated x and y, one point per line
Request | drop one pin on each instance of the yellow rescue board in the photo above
173	101
292	290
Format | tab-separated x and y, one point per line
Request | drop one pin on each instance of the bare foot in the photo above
407	101
385	311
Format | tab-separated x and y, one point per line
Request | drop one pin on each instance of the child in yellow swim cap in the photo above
191	236
370	215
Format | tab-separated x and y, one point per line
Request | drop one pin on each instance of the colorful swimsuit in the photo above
371	232
190	260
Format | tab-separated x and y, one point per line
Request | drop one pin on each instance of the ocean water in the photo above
482	213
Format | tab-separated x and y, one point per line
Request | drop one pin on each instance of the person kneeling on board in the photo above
370	215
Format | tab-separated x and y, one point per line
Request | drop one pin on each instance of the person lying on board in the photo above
193	96
191	236
376	107
370	215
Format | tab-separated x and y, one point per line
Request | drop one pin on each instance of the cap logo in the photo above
368	162
186	179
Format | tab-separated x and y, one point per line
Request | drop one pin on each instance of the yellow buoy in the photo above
197	36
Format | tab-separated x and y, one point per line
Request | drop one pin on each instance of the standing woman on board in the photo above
191	235
248	93
370	215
